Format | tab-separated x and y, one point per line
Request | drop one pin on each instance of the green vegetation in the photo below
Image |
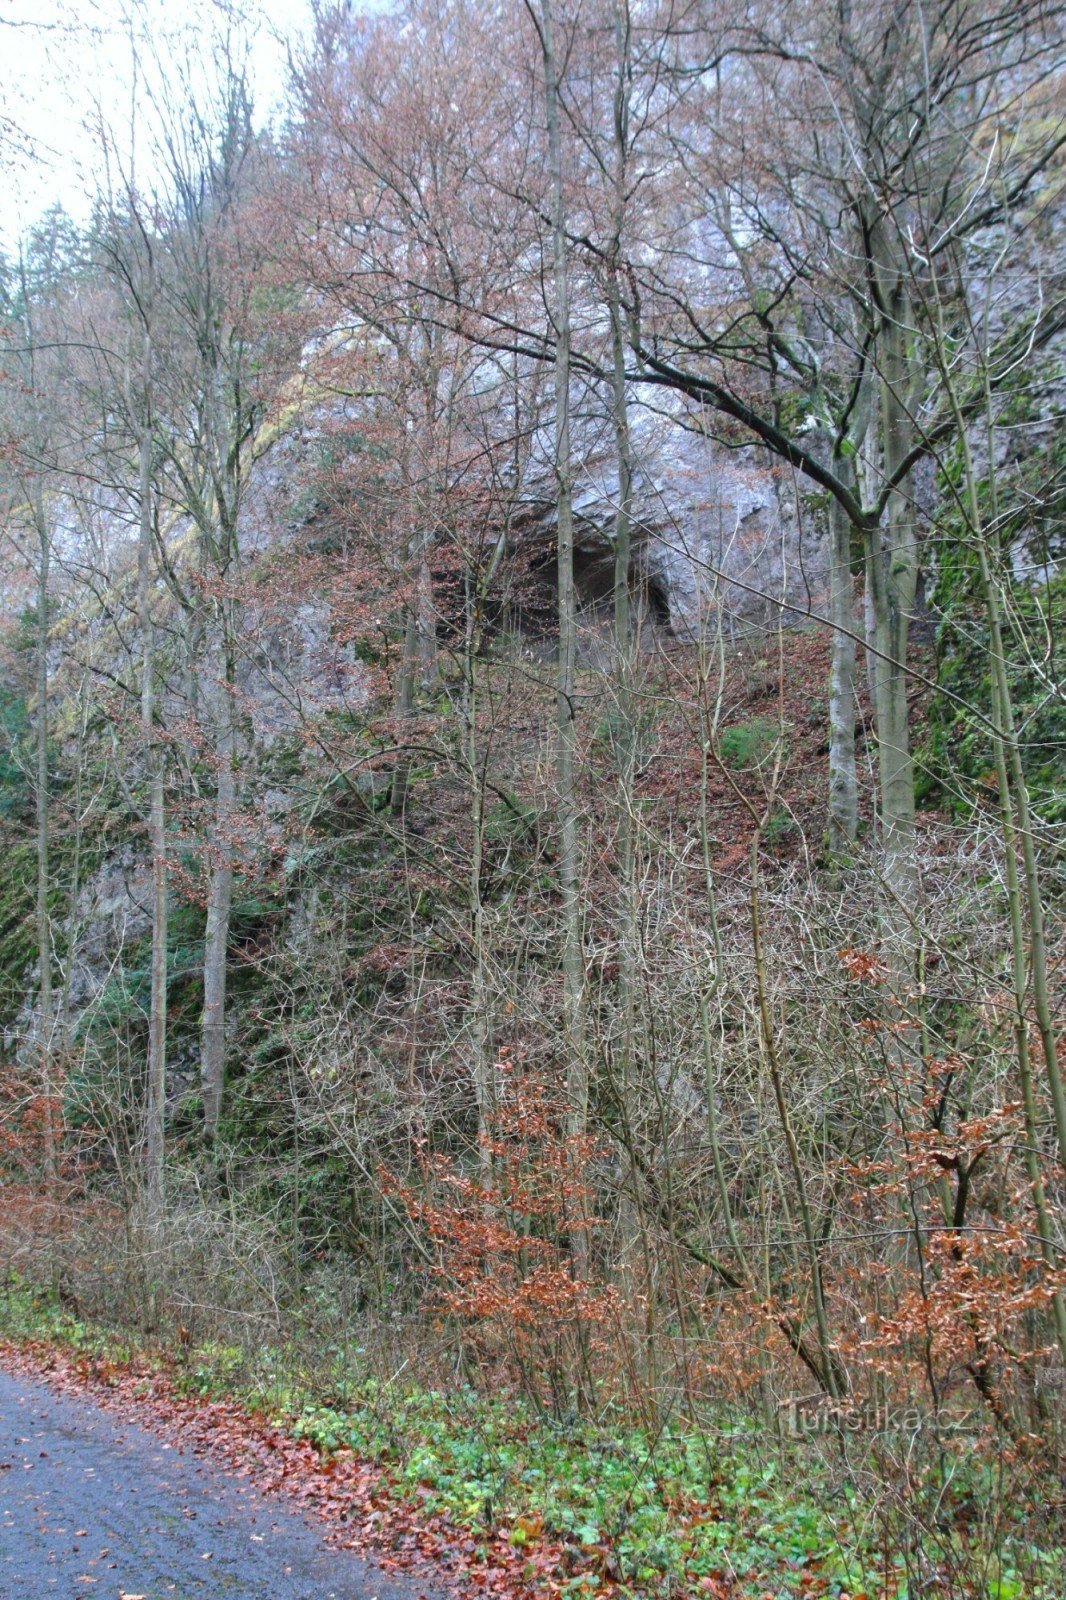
748	744
1026	509
958	751
18	943
14	727
642	1507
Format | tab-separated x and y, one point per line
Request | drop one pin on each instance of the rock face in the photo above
113	911
719	540
719	537
295	670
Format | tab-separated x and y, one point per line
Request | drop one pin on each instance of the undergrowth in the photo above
679	1511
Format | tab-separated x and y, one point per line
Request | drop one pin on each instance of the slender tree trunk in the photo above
1013	767
843	783
157	1018
412	643
810	1233
892	576
74	891
634	1260
708	726
847	454
220	893
1037	939
418	667
572	958
1003	716
405	701
477	587
625	746
154	1150
427	622
483	1072
46	1035
1013	787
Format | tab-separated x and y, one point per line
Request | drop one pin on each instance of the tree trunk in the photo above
892	574
46	991
405	700
572	960
413	643
483	1068
220	895
843	784
1012	785
625	749
625	737
154	1146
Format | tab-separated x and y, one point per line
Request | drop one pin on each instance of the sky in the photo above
64	61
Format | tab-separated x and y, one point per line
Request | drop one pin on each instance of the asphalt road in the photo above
95	1509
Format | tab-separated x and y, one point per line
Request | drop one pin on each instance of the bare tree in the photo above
883	104
211	365
38	460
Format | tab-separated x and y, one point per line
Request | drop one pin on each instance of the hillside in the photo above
531	781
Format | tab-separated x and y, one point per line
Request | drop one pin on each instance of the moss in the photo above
748	744
14	727
956	750
1028	513
18	934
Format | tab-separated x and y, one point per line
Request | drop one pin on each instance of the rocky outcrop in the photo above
720	537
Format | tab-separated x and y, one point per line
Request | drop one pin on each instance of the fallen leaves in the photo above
356	1500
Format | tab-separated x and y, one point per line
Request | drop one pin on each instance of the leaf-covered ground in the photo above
502	1503
479	1491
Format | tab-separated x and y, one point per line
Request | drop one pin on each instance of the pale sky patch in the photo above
64	62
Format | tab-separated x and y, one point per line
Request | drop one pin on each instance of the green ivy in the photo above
1029	511
957	751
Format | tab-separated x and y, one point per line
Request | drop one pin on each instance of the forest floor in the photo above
414	1495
